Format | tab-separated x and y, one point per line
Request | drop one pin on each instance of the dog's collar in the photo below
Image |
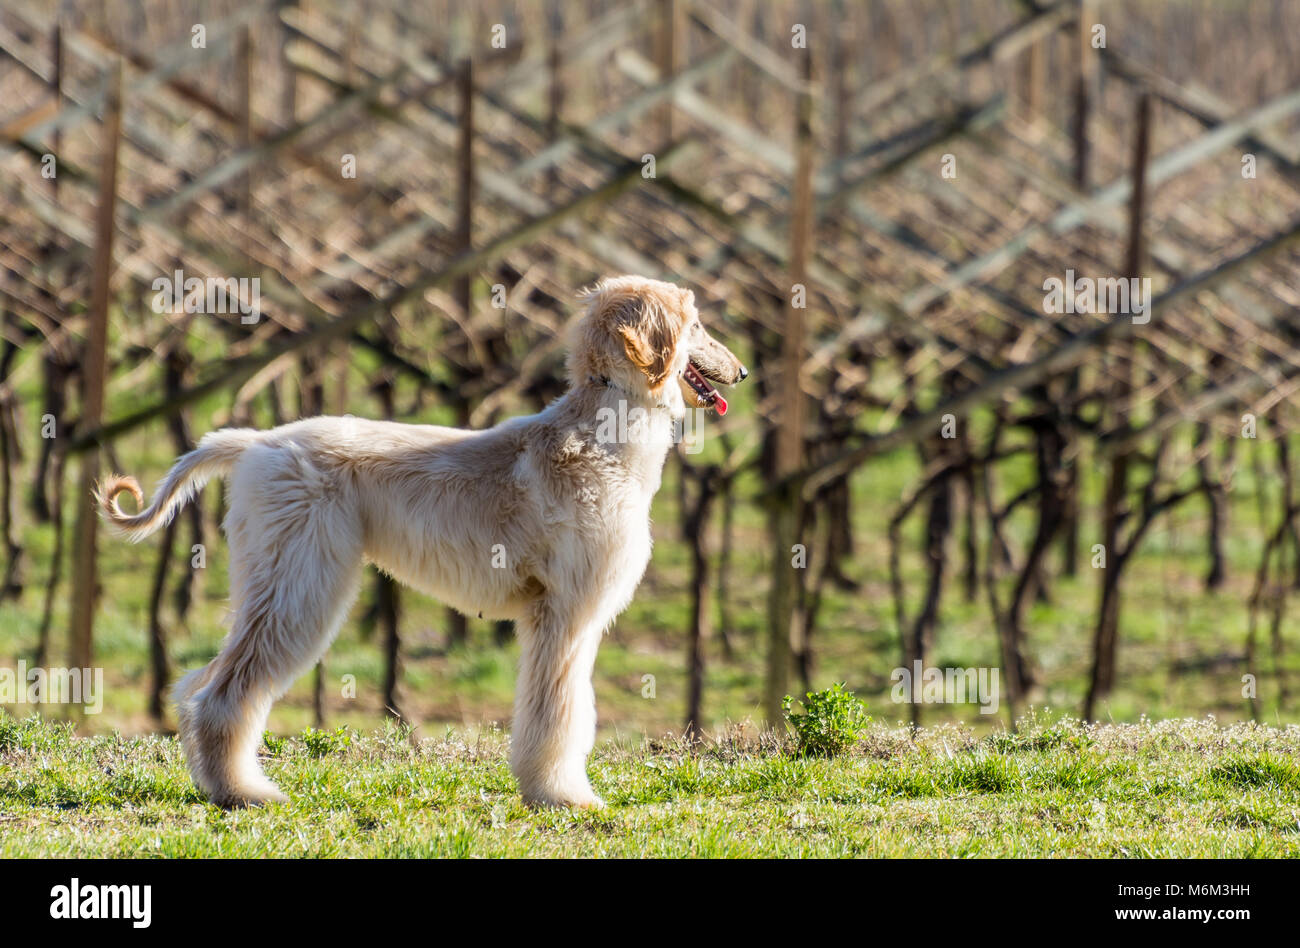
607	382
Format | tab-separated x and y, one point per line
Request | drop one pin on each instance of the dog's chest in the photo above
619	520
605	493
622	515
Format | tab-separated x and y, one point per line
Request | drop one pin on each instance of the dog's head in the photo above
646	335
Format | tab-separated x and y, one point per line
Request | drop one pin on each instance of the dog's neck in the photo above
636	428
661	402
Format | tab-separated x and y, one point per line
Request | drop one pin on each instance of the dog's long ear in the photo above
649	346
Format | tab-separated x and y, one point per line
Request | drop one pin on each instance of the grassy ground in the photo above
1055	788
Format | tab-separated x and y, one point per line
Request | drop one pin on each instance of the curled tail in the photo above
215	455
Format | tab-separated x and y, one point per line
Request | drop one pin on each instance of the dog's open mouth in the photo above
710	397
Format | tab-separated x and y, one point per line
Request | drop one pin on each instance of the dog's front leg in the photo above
555	709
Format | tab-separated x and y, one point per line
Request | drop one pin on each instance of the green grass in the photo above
1054	788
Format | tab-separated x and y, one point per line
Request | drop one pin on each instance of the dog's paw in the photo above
273	795
577	799
259	794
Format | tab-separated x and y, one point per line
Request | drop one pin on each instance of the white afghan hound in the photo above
542	519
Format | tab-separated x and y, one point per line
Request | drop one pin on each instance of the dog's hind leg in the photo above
295	568
554	726
222	709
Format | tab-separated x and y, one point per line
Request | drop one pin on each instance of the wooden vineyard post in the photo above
669	35
84	578
1084	90
1106	638
56	86
790	418
555	81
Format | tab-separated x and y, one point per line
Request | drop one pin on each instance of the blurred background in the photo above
930	463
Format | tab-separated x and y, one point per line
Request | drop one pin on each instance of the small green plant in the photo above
322	743
831	722
274	745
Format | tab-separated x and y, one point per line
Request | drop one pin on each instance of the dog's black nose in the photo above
744	374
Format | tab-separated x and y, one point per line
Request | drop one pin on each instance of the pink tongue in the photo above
720	404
